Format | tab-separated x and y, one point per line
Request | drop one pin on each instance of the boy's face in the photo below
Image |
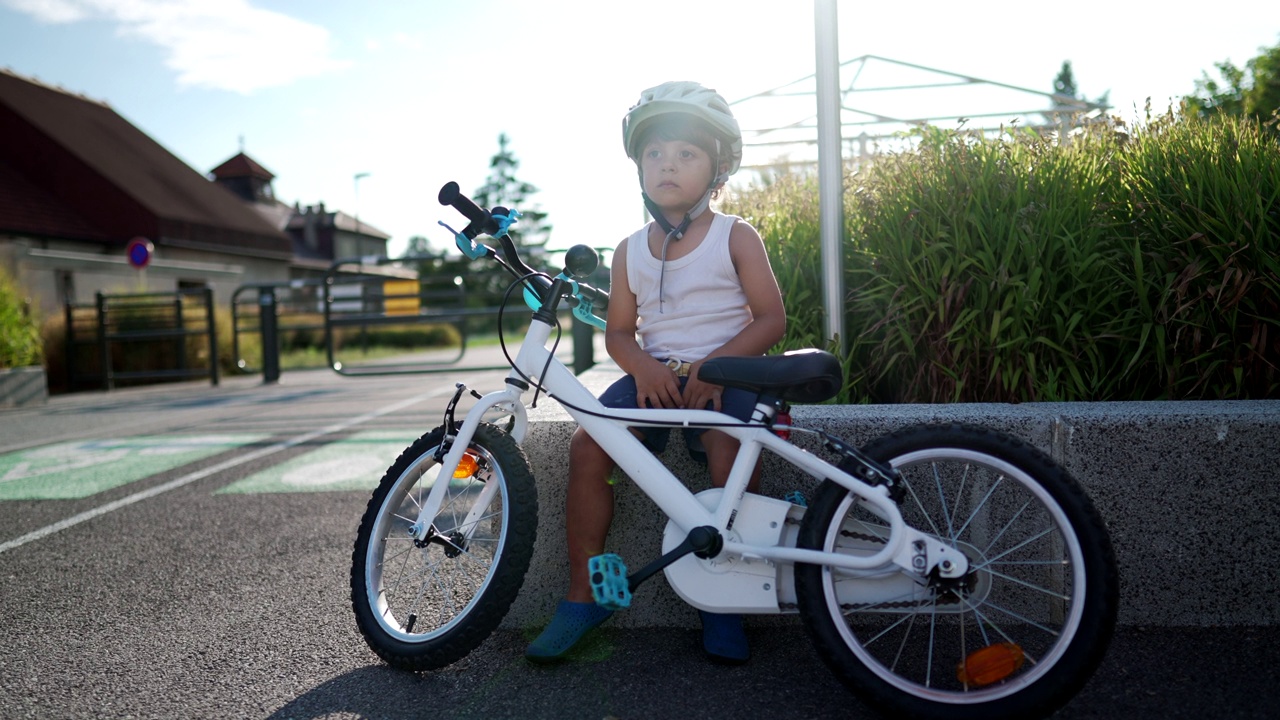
676	173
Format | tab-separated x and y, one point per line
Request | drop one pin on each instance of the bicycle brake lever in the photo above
472	249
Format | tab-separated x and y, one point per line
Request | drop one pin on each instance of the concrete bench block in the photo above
1189	491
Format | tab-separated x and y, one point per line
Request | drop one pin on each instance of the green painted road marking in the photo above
354	463
82	468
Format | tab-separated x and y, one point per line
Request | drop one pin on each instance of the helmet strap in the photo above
673	231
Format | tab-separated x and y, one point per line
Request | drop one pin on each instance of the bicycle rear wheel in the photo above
1019	635
424	605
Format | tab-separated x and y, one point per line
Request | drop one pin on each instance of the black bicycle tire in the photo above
1085	649
507	575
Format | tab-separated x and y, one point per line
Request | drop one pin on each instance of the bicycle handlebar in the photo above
482	221
584	298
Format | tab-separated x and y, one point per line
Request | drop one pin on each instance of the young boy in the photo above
692	285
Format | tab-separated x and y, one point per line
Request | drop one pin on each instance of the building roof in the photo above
241	166
27	209
121	181
336	219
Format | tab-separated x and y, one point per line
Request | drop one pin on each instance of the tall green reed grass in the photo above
1123	264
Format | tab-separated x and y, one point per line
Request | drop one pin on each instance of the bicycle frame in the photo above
905	547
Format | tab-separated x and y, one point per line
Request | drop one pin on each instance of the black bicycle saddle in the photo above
802	376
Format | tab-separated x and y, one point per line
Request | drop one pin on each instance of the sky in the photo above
410	95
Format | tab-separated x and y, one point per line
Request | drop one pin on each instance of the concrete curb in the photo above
1189	491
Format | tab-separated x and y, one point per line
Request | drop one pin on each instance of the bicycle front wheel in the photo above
1016	637
424	604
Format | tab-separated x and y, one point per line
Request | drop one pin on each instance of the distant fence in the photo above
125	339
358	304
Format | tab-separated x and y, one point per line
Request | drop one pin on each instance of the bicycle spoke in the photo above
1020	618
1026	584
927	516
933	634
964	480
942	499
1019	546
902	646
978	510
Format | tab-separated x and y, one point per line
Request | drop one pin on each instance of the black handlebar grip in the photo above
481	221
451	194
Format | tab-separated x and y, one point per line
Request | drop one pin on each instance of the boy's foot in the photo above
724	639
572	620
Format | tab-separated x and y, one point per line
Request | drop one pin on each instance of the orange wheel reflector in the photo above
990	664
467	466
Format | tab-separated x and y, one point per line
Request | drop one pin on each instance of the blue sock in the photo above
572	620
724	639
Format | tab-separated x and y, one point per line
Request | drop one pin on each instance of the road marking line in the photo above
206	472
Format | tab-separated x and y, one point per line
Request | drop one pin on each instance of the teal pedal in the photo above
609	586
795	497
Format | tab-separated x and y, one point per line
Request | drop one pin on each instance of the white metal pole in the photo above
830	167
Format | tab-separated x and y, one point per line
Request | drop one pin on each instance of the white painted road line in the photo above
206	472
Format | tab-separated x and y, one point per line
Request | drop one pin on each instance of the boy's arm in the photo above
768	317
655	382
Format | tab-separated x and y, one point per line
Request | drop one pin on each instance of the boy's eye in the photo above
687	154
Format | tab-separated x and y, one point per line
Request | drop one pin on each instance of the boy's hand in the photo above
697	393
657	387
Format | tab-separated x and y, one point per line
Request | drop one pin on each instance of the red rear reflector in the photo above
783	418
990	664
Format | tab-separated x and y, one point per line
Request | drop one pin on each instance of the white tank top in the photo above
703	305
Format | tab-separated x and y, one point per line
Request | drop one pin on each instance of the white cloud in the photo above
219	44
49	11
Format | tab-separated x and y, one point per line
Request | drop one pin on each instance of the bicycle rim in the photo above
420	593
1028	580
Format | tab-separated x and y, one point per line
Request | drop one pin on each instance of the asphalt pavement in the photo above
167	552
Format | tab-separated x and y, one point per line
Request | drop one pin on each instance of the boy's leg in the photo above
723	638
588	513
722	450
588	510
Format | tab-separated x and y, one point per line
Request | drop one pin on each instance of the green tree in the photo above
1065	85
503	188
1249	91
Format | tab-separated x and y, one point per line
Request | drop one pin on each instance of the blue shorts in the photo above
736	403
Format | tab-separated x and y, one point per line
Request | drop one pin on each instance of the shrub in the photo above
1203	202
1121	265
19	331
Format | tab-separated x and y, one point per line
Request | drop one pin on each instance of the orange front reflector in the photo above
467	466
990	664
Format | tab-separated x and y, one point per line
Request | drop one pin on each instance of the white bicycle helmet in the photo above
688	98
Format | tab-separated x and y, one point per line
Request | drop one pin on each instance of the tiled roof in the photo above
241	166
86	137
26	209
336	219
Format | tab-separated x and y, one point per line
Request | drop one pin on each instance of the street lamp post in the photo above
357	209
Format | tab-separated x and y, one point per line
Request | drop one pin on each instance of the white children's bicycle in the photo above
941	571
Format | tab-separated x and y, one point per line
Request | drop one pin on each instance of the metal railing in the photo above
141	336
359	304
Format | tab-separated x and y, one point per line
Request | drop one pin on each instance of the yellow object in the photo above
400	297
467	466
990	664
